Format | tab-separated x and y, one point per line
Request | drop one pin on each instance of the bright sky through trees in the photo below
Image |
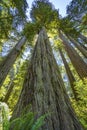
59	4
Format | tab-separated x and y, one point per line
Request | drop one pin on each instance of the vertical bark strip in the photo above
82	44
43	88
81	49
77	61
70	75
9	91
10	59
83	38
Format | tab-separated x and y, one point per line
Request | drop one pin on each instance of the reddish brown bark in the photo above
77	61
44	89
70	75
9	91
83	38
10	59
80	48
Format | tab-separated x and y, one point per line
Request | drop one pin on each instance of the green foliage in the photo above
84	22
4	112
76	8
27	122
4	88
38	123
21	7
24	122
5	19
12	13
77	11
44	13
57	44
18	83
5	121
81	106
30	30
14	78
68	27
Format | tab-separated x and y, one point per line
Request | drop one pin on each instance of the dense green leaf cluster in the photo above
43	12
76	9
81	106
12	14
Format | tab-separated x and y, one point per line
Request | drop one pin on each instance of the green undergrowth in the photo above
80	106
24	122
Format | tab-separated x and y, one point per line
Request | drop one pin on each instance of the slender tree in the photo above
44	89
70	75
9	91
83	38
10	59
82	50
77	61
70	29
82	44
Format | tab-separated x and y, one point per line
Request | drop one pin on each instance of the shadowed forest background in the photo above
43	66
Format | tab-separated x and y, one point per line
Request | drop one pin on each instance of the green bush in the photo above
24	122
81	105
27	122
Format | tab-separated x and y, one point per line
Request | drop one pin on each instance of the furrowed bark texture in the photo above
44	89
82	50
10	59
70	75
77	61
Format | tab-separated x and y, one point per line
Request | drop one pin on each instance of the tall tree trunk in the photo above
44	89
81	44
70	75
9	91
82	50
80	41
77	61
83	38
10	59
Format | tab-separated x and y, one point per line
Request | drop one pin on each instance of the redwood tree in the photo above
83	38
77	61
10	59
43	88
69	74
9	91
82	50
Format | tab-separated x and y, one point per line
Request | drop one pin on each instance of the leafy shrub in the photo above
81	105
24	122
27	122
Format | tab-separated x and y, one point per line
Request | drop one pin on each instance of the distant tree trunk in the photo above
80	41
70	75
77	61
43	88
81	44
9	91
83	38
82	50
10	59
